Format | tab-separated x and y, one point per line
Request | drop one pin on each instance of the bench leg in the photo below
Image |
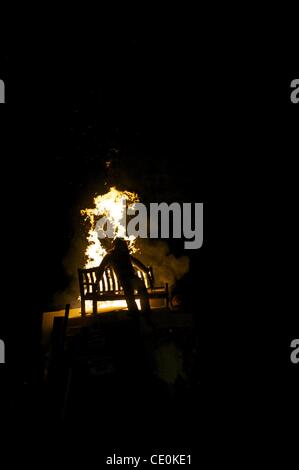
167	295
94	307
83	312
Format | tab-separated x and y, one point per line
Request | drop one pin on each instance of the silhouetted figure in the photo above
120	260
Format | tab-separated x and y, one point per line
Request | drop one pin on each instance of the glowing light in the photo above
112	206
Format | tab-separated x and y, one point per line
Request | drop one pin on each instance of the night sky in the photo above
139	102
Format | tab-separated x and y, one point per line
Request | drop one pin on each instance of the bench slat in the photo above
109	287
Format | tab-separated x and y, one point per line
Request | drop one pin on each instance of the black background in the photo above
218	123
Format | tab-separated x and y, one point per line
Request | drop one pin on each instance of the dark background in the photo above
189	123
127	102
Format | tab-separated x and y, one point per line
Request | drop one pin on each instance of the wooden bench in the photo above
108	287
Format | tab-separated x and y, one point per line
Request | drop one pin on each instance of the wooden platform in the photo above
162	317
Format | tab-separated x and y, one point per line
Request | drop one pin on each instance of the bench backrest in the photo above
109	282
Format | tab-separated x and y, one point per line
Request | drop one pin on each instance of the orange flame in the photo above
110	205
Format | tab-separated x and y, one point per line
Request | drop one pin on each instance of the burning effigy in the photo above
127	280
111	209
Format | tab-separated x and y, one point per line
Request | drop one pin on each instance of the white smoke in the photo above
166	267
